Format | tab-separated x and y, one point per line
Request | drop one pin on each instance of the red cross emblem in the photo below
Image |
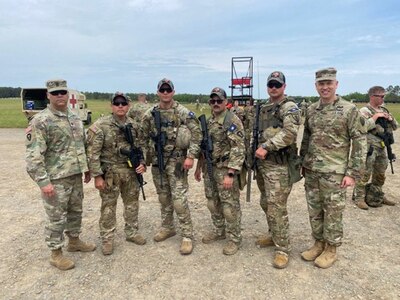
72	101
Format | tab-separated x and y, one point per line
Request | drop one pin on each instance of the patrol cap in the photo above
276	76
219	92
325	74
56	85
120	95
165	81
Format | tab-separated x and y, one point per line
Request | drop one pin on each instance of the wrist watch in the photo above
264	146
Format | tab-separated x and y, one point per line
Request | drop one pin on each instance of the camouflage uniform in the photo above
226	132
329	131
377	159
105	139
239	112
248	127
278	126
136	112
55	153
173	193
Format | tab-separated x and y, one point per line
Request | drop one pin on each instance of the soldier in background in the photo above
138	108
377	158
56	159
237	110
279	123
112	174
333	127
222	189
180	146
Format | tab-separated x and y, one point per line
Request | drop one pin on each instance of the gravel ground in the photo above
368	265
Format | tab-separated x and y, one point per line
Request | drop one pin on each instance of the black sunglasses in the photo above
379	96
62	92
213	101
274	84
163	90
118	103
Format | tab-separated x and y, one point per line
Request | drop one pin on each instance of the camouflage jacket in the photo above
374	129
329	131
279	124
136	112
55	146
239	112
105	139
228	140
171	120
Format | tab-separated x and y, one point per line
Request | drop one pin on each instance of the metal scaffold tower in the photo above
242	80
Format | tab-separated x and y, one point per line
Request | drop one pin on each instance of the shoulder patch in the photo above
232	128
93	128
191	114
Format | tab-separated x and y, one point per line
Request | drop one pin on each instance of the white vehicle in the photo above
35	99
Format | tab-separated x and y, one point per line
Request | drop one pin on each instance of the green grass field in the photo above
11	115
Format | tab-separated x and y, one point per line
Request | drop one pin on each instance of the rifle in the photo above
254	147
159	142
387	140
134	154
207	147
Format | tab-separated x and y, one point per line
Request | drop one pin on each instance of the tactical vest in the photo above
270	124
270	120
170	123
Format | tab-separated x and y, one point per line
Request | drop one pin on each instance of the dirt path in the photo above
368	265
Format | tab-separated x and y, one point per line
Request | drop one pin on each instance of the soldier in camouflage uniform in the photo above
377	159
112	174
182	144
56	159
279	122
138	109
238	111
333	127
222	189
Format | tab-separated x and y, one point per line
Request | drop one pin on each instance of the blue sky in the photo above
128	45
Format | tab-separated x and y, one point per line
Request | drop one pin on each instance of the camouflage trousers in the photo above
223	204
326	203
376	166
173	195
273	183
119	182
64	210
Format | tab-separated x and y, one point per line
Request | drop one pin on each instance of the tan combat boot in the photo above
386	201
212	237
75	244
59	261
281	260
164	234
361	204
312	253
186	246
230	248
264	241
107	247
138	239
327	258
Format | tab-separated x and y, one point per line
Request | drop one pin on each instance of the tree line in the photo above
392	96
